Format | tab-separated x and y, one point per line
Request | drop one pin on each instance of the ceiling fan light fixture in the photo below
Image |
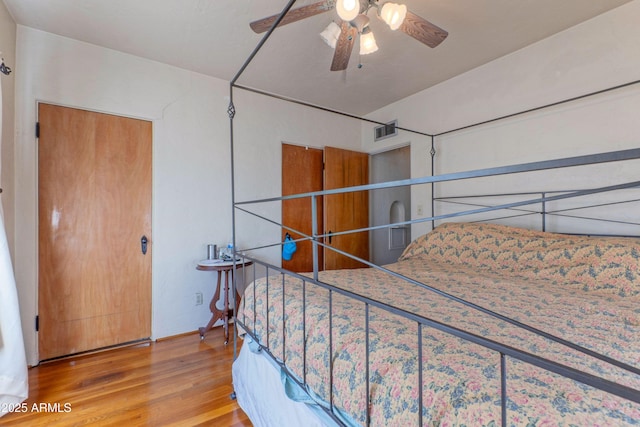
360	22
348	9
393	14
331	34
367	42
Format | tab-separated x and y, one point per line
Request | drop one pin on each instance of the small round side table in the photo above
226	268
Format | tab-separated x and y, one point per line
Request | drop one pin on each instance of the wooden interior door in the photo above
348	211
94	206
301	173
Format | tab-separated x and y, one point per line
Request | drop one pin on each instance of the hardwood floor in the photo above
181	381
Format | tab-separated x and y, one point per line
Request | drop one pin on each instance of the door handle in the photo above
143	244
329	236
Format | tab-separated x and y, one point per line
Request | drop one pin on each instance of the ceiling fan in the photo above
354	21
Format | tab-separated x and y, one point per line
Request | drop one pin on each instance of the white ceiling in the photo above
213	37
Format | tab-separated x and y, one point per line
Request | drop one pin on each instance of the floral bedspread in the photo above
585	290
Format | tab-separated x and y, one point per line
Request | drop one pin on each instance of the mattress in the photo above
584	291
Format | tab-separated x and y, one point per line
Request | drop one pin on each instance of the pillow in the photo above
594	263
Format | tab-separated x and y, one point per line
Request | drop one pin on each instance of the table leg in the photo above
216	314
226	306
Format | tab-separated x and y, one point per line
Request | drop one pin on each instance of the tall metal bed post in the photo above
433	173
231	110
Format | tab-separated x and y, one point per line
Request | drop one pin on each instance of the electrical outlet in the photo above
198	298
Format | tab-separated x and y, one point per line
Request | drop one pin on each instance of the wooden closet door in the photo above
348	211
94	206
301	173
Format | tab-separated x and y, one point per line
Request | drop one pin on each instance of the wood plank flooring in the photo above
181	381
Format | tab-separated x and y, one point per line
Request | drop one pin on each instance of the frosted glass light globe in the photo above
348	9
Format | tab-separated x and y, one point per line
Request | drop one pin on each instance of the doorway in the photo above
301	173
390	205
346	211
306	170
94	230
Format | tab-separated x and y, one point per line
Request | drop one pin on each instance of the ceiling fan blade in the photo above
344	46
262	25
423	30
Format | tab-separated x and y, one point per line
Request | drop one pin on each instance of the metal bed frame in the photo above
538	198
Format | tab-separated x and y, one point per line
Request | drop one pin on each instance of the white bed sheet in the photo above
261	394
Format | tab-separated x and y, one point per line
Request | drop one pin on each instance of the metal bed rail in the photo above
566	162
505	351
543	211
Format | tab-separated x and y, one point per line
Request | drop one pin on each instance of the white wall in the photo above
595	55
191	167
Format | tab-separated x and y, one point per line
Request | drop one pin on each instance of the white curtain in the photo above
14	380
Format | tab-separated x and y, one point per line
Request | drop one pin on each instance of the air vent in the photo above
385	131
